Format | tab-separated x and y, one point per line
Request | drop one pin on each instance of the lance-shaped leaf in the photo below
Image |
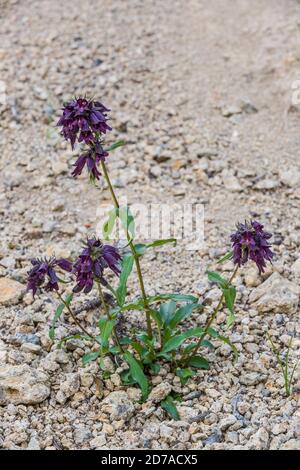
230	296
166	311
109	224
176	297
169	406
127	265
182	313
217	279
119	143
137	373
199	362
106	327
127	220
177	340
141	248
92	356
184	374
225	258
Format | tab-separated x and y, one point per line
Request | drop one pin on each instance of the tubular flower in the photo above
83	120
91	263
250	241
90	159
43	270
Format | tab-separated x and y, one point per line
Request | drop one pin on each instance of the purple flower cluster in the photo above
90	159
250	241
43	269
89	266
91	263
83	120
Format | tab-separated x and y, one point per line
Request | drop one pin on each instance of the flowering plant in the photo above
164	338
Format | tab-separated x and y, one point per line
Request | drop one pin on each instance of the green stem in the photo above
284	370
106	309
210	321
74	317
133	251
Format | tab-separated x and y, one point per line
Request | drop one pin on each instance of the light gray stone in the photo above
118	406
23	385
276	294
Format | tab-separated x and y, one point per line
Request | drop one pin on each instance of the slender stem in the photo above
284	370
133	251
210	321
73	316
106	309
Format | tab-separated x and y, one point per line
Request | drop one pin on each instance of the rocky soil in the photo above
202	92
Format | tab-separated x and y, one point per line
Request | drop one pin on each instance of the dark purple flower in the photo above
83	120
90	265
90	159
250	241
43	270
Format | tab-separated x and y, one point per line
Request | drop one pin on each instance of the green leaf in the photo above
138	348
176	297
131	306
230	296
199	362
184	375
166	311
58	314
230	320
127	378
116	145
141	248
176	341
127	265
173	343
139	303
217	279
77	336
225	258
127	220
106	326
146	340
226	340
90	357
182	313
137	373
169	406
161	242
155	368
205	343
125	340
156	317
109	224
212	332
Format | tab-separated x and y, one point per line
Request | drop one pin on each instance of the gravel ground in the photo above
202	93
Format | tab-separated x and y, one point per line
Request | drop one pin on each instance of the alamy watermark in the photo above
157	221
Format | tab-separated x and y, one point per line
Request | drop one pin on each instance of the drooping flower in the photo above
43	270
83	120
90	265
90	159
250	241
